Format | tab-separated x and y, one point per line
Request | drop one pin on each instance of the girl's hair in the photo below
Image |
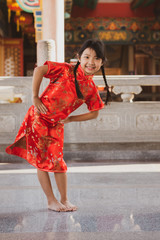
99	48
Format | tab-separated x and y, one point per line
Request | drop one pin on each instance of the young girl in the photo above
40	138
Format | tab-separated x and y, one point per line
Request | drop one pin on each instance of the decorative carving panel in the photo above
107	122
148	122
8	123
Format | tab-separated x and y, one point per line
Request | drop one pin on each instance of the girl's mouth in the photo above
90	68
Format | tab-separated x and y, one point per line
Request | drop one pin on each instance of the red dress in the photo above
40	137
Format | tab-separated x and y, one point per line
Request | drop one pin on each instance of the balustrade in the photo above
125	121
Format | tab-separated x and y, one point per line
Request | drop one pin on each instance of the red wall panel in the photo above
112	10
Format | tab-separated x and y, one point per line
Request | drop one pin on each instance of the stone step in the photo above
112	151
100	151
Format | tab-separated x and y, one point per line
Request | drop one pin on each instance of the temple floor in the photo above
116	200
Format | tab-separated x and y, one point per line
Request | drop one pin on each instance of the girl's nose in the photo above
91	61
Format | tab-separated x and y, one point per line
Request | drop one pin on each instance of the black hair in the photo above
98	46
108	95
78	91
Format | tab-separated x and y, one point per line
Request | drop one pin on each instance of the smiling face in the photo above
89	61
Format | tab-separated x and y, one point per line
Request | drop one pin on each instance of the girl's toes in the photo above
69	206
57	207
63	208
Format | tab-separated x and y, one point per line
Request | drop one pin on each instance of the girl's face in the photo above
89	61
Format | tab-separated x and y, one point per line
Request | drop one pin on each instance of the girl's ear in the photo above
78	57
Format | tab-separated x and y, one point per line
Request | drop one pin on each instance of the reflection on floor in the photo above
114	202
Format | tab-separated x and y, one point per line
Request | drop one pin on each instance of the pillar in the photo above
53	25
1	57
153	73
45	51
131	59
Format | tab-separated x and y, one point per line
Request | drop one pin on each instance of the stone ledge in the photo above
103	152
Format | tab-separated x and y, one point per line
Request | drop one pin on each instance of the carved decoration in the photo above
127	92
110	121
148	122
127	89
8	123
107	122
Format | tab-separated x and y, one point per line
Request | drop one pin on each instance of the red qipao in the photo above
40	137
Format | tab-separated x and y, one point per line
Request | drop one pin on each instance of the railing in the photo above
128	85
126	121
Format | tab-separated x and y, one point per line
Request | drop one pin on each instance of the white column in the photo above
45	51
53	25
60	30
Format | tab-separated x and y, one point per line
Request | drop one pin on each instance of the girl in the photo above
40	138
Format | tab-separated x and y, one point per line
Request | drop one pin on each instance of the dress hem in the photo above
44	170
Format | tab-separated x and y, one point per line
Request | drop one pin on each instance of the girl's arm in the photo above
81	117
38	74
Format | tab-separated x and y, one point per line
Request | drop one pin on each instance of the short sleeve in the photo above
94	101
54	68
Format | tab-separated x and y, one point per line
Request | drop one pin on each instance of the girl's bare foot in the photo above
57	206
69	206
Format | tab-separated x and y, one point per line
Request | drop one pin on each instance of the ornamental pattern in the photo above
29	5
149	122
113	30
34	6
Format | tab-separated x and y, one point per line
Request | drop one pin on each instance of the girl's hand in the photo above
40	107
66	120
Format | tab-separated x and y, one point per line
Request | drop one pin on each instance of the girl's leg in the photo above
45	182
61	180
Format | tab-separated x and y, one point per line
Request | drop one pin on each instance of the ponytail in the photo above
79	94
108	96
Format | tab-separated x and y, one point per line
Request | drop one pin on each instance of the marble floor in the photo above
118	201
